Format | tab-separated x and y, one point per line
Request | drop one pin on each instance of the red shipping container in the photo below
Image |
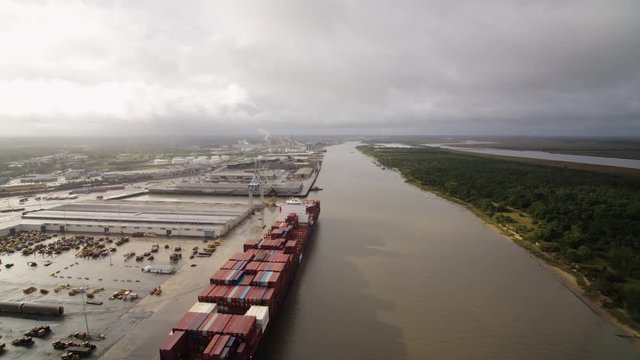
241	326
245	279
291	243
190	321
279	257
251	252
274	244
214	324
254	296
174	346
272	266
208	352
246	256
227	277
277	233
268	299
251	244
252	267
204	294
240	265
218	292
216	348
262	255
267	278
237	294
228	265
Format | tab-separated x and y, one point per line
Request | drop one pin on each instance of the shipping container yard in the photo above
82	274
234	309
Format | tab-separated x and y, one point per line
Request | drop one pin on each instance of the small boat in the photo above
29	290
8	266
94	302
316	188
47	263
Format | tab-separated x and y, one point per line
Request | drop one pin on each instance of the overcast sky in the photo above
129	67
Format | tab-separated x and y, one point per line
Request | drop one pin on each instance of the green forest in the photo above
588	221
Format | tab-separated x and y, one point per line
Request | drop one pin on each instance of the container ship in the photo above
233	312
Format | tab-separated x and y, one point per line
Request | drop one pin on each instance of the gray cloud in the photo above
558	67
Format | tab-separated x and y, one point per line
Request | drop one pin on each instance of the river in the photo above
393	272
542	155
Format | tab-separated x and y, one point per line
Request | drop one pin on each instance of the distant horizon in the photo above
308	135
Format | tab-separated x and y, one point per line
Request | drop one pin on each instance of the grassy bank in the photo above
583	222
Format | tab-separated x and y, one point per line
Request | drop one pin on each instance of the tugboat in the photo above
23	341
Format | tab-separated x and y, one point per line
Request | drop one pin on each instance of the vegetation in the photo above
589	221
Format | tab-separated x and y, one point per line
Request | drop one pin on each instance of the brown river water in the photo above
394	272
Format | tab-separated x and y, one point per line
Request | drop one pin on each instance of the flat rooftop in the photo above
152	212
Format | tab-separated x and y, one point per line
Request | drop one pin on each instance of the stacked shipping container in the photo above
234	309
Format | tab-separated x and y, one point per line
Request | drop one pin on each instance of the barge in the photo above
233	312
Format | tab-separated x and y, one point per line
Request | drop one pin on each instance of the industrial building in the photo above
291	188
157	218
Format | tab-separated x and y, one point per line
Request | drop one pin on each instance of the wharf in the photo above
297	188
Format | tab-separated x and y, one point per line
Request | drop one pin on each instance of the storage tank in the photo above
41	309
13	307
10	307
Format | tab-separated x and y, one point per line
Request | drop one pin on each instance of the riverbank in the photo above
571	279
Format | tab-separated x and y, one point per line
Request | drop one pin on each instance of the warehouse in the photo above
158	218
